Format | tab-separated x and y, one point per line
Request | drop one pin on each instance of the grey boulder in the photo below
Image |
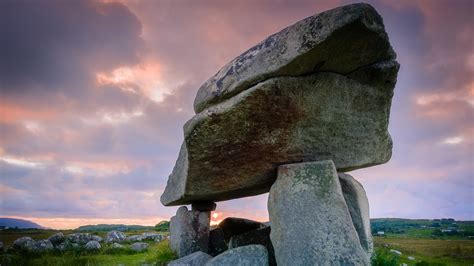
97	238
259	236
139	246
116	246
57	238
134	238
217	243
79	238
189	231
251	255
25	243
152	236
311	223
358	204
198	258
92	245
115	236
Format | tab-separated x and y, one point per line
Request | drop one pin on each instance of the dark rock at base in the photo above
251	255
235	226
203	206
198	258
217	243
57	238
259	236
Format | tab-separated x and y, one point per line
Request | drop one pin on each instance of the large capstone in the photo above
358	205
320	89
310	221
189	231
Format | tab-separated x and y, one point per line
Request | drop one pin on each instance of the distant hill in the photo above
18	223
110	227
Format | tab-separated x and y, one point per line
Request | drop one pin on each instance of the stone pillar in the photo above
311	223
358	204
189	230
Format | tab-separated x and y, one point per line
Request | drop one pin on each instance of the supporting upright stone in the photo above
311	223
358	205
189	231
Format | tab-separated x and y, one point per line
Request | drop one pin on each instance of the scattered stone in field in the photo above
116	246
259	236
396	252
255	255
217	243
410	258
25	243
79	238
311	224
358	204
42	246
152	236
139	246
235	226
97	238
92	245
115	236
64	246
189	231
76	246
57	238
134	238
198	258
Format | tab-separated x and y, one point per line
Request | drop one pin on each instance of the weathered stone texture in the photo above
198	258
358	205
189	231
311	223
251	255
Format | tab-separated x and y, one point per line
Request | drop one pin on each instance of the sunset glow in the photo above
92	109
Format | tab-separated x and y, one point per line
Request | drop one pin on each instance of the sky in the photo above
94	94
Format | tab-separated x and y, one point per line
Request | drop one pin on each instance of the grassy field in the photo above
424	251
157	254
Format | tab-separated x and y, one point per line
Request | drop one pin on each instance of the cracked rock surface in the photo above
320	89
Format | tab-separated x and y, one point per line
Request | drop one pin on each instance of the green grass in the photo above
157	254
425	251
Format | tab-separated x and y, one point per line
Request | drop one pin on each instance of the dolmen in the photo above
290	116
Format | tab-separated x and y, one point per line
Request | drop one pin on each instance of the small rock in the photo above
235	226
92	245
42	246
259	236
1	247
254	255
64	246
97	238
116	245
79	238
152	236
217	243
134	238
195	259
139	246
115	236
57	238
24	243
75	246
396	252
411	258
